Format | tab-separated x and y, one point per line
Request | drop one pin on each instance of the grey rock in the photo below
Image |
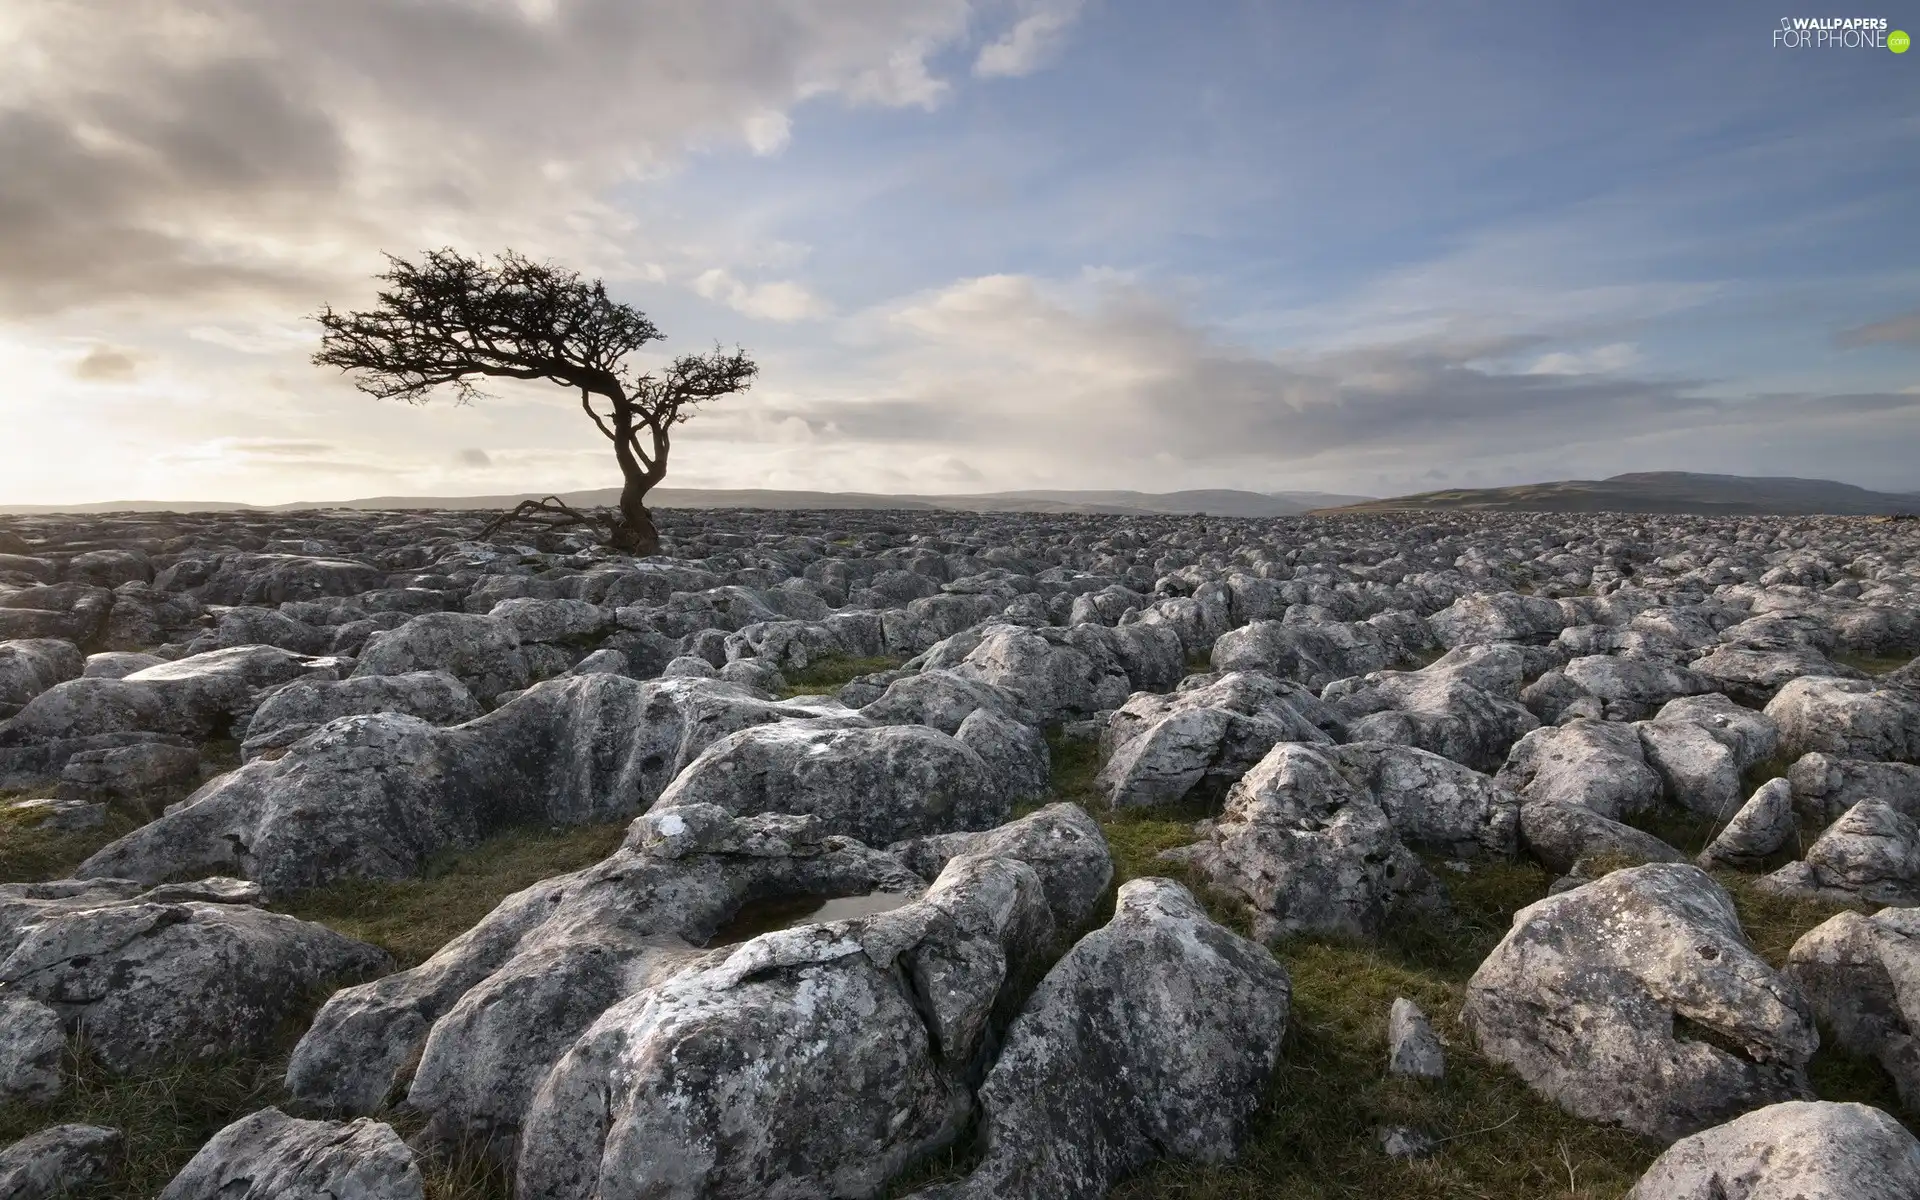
1564	836
1825	786
1598	764
1752	736
811	1061
537	621
271	1156
1632	687
486	1017
196	698
29	666
1753	676
1161	749
879	785
1404	1142
1848	718
1462	707
689	667
1594	995
299	708
32	1043
1501	617
118	664
162	977
1413	1048
1016	754
481	652
1762	828
61	815
1060	842
572	751
1698	771
1310	654
1192	1018
46	1165
1859	973
940	698
1308	851
1871	854
1795	1150
128	773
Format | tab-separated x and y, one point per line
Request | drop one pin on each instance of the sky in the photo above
974	244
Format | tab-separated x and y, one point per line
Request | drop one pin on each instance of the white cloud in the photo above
768	132
780	300
1600	360
1032	41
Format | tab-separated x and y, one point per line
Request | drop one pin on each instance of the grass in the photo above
1872	664
31	852
826	674
411	919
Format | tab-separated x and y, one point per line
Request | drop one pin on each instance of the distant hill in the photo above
1660	492
1219	503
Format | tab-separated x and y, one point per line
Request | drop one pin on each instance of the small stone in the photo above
1402	1141
62	816
1413	1049
57	1161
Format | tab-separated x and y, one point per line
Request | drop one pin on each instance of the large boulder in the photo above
879	785
1052	673
811	1061
33	1041
73	612
1597	764
271	579
471	1032
296	710
1636	1000
1501	617
1307	850
1871	854
30	666
1570	838
1198	741
1760	829
1312	654
483	653
168	975
271	1156
1060	842
1751	736
376	796
1190	1022
1794	1150
1463	707
57	1162
1755	676
1862	975
1824	786
1698	771
1632	687
940	698
195	698
1849	718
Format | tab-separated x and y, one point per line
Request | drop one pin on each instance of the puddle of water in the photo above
766	916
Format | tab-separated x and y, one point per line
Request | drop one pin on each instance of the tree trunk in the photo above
634	533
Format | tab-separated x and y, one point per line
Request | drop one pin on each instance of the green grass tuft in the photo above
827	674
412	918
30	852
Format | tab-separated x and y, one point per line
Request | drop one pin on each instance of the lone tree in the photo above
451	319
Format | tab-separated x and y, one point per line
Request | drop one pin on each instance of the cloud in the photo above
263	148
781	300
1902	330
1032	41
1617	356
1019	370
473	457
105	364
